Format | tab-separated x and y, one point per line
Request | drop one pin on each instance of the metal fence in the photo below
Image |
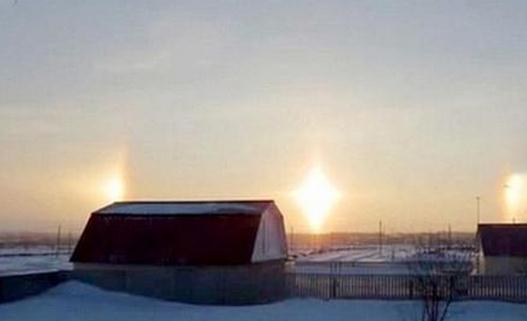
328	286
402	287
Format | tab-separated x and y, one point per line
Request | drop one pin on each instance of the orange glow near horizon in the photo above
316	196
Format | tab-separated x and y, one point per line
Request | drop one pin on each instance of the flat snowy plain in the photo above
73	301
35	263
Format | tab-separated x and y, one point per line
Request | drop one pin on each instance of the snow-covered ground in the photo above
393	259
26	250
17	259
369	259
76	301
373	254
23	263
364	253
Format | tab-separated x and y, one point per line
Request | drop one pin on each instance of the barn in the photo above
503	248
204	252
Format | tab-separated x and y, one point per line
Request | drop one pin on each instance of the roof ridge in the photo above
191	201
501	224
186	207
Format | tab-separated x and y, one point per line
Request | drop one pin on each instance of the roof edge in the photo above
173	214
499	225
270	202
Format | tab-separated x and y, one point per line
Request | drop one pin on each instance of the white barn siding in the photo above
270	241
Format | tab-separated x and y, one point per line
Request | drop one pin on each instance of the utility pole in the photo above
380	237
57	250
70	243
449	237
291	239
476	243
477	210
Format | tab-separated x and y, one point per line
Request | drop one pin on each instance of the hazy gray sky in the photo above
411	108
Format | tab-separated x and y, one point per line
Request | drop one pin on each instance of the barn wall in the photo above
498	265
271	243
229	285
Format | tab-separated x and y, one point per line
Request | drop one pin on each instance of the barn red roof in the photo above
503	239
172	233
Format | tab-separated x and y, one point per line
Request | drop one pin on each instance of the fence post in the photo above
333	287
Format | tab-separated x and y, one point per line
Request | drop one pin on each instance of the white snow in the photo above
32	259
181	208
18	250
32	264
76	301
365	253
369	259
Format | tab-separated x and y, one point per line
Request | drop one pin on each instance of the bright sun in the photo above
515	190
316	196
114	189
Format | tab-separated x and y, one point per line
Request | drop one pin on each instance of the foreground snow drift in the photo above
76	301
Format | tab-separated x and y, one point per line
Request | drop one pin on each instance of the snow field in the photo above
73	301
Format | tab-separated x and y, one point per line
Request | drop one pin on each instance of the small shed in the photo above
210	252
503	248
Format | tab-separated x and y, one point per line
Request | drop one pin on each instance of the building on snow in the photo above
503	249
208	252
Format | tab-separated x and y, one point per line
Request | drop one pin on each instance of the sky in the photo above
411	109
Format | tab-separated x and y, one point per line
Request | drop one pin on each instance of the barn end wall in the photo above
218	285
270	243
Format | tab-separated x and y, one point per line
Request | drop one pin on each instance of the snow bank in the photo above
76	301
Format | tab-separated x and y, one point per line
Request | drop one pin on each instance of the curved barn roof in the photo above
174	233
186	207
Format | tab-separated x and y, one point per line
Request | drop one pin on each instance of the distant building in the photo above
211	252
503	248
